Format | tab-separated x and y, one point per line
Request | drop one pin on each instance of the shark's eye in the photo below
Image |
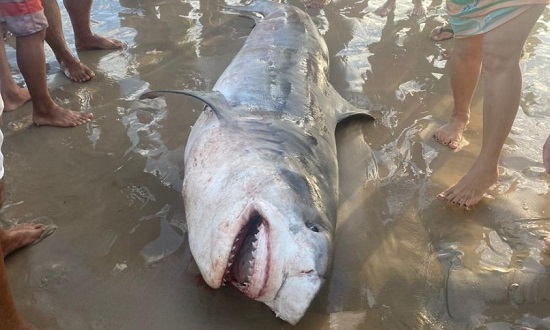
313	227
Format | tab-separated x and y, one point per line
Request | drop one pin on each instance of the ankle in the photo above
460	117
64	57
486	167
44	108
83	36
10	89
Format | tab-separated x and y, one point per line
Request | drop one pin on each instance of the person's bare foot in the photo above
441	33
15	98
418	10
95	41
61	117
20	236
469	190
385	9
546	155
451	134
316	3
75	70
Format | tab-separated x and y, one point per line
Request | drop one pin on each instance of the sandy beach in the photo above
120	257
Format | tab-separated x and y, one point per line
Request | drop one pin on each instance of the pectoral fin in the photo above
213	99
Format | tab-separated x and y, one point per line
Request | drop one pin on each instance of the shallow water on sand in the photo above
120	257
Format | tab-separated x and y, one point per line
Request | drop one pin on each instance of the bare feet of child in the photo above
61	117
95	41
22	235
75	70
15	98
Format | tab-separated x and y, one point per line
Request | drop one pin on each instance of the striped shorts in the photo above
23	17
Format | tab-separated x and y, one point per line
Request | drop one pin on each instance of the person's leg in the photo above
465	69
546	155
502	91
79	12
13	95
70	65
9	317
19	236
31	61
11	240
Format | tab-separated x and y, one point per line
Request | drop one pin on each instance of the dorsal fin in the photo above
215	100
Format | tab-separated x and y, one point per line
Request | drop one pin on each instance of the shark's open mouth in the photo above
248	264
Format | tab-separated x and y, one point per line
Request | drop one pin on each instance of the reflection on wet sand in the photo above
120	260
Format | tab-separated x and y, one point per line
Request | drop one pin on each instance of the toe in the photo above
463	202
453	144
438	138
443	196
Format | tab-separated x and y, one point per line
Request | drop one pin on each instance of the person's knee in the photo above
500	57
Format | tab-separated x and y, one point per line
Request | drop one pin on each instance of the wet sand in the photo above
403	260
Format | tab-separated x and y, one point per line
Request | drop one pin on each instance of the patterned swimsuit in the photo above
473	17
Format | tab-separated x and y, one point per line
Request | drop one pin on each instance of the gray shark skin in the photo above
261	174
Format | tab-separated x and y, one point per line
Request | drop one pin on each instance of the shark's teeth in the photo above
242	256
